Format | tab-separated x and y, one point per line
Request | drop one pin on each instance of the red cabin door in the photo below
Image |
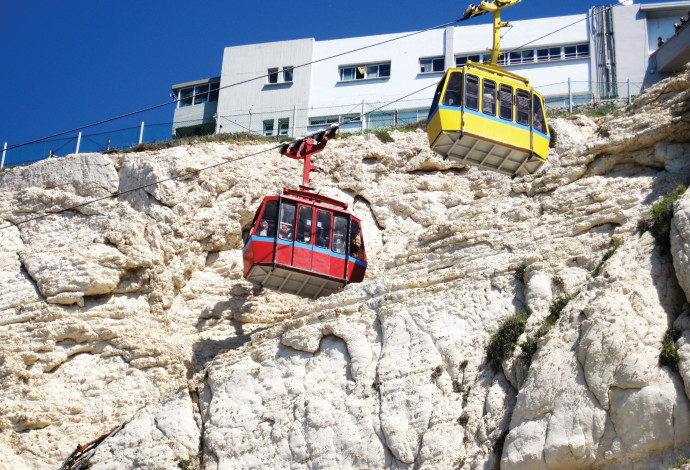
304	239
286	233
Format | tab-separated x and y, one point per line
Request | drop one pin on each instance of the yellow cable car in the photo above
486	116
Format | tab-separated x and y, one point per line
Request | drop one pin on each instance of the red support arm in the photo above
305	148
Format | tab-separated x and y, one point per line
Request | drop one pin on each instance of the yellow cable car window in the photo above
472	92
437	96
489	97
454	90
538	122
523	107
505	102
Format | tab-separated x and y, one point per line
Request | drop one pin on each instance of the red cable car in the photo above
301	242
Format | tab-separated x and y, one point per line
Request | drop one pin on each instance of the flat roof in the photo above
664	6
196	82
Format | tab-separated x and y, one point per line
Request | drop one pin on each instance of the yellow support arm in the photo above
494	7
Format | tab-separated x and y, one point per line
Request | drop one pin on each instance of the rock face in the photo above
132	309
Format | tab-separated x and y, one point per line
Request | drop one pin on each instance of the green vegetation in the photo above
383	135
669	356
678	463
607	255
503	341
463	419
658	220
554	137
528	347
520	273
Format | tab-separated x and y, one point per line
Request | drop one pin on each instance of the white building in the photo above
305	84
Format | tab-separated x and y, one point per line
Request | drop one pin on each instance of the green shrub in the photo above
658	221
528	347
520	273
605	258
503	341
383	135
680	461
554	313
669	356
554	137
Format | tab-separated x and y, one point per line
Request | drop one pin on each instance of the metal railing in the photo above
294	123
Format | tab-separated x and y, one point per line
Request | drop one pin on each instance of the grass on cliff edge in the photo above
658	219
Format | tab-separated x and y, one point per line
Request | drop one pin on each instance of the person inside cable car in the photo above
285	232
304	231
264	229
538	121
356	243
338	242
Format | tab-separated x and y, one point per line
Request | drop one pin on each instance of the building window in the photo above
528	56
268	127
273	75
287	74
284	125
199	94
432	64
364	72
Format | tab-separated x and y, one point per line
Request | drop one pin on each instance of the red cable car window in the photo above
472	92
323	229
306	214
267	225
489	97
339	233
356	246
523	107
287	221
505	102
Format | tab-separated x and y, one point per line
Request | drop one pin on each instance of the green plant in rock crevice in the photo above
658	220
609	253
669	356
503	341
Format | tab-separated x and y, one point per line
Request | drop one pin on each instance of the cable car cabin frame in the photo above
490	118
308	254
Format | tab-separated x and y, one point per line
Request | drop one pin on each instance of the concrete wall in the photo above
631	43
241	63
192	115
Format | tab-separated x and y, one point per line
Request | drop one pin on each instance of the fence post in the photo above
629	100
78	143
363	117
141	133
108	149
294	117
570	96
2	162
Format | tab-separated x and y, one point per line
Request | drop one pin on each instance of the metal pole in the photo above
141	132
629	100
570	96
108	149
2	162
78	143
294	118
278	133
363	116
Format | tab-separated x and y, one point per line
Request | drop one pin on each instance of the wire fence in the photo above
294	123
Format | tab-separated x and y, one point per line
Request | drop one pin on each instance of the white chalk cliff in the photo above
133	309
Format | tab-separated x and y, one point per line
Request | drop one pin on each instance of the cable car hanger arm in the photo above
494	7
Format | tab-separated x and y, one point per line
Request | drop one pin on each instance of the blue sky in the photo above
70	63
